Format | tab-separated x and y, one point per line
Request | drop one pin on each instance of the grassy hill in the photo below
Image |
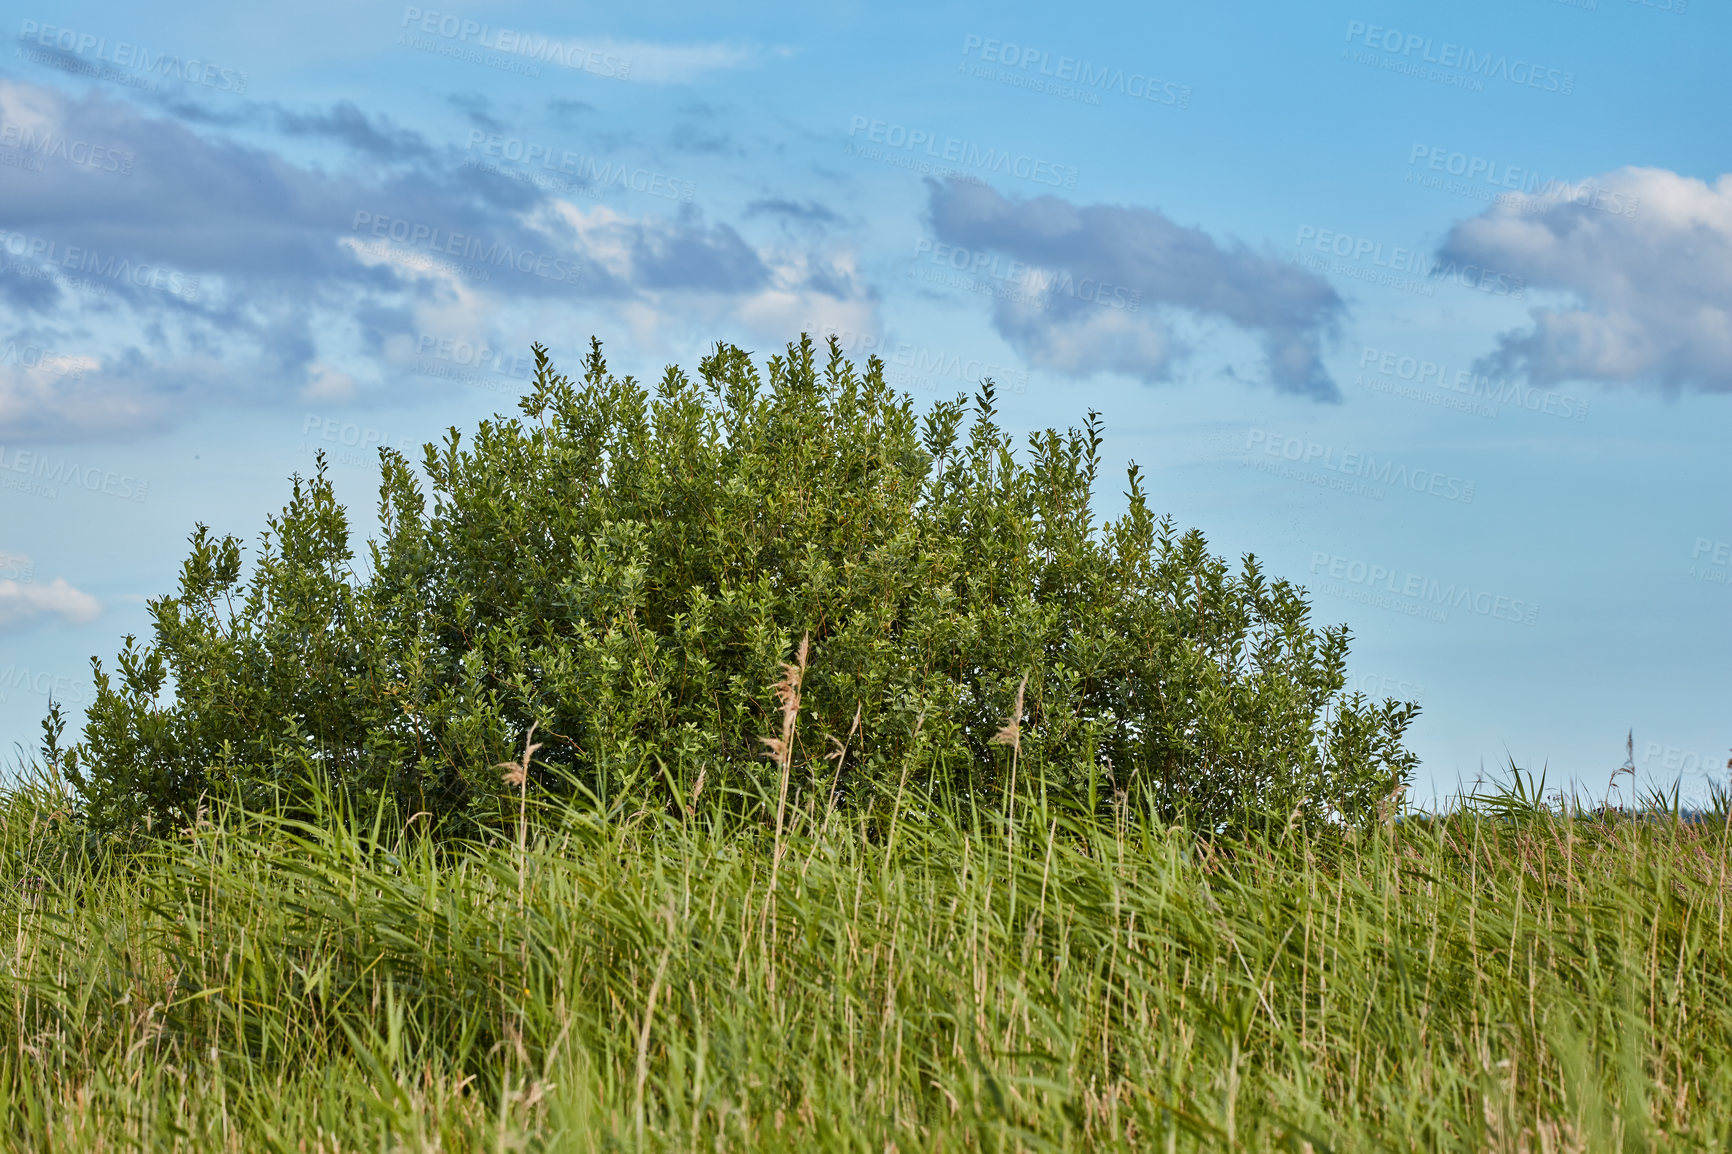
625	981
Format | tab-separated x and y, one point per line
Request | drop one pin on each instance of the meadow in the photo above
1506	977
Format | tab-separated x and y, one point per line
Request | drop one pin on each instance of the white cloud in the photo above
38	403
1645	256
325	383
28	109
23	603
678	63
1116	342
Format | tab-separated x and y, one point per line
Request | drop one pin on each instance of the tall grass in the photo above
1486	980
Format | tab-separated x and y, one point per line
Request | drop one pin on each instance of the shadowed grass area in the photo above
1503	980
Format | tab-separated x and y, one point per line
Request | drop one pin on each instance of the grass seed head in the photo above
1011	734
517	772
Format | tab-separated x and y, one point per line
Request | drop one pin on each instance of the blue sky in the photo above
1428	306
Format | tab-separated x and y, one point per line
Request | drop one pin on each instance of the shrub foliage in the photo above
632	571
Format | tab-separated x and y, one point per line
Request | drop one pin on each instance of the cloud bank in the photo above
1090	287
1644	256
183	268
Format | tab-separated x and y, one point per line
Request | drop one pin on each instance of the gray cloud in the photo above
702	130
375	136
1049	316
1645	256
566	111
794	212
685	254
477	109
218	271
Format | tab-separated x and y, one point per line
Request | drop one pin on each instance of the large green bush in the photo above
633	570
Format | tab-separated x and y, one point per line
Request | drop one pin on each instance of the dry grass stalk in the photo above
1011	735
788	693
782	748
838	754
517	772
